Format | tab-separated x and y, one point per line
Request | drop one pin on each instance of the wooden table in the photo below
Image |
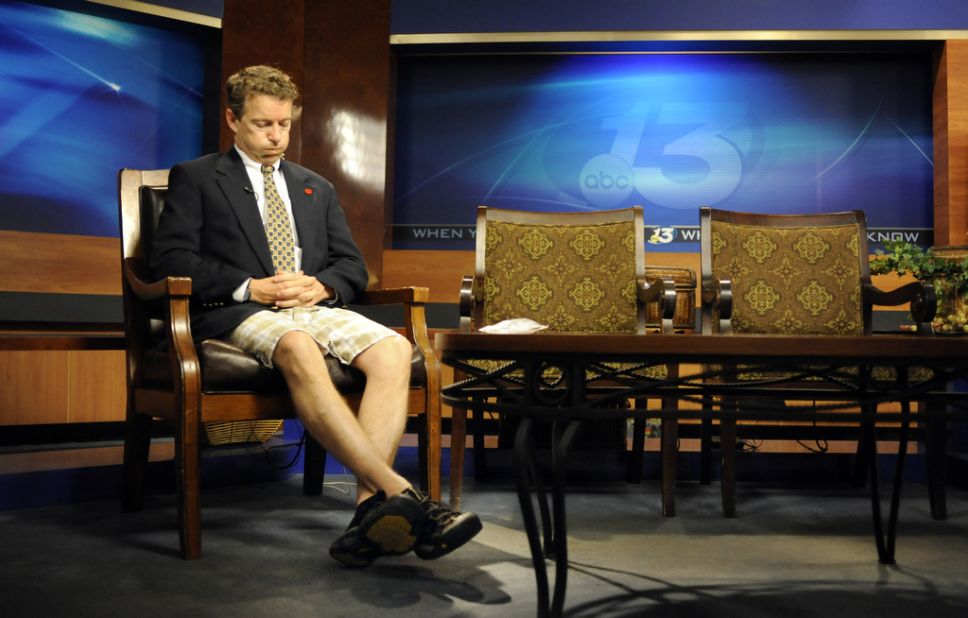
573	378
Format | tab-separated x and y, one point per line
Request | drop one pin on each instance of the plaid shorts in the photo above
339	332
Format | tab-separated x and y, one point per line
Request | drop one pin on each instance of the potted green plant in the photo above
946	270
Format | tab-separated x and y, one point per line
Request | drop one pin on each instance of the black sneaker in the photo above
381	526
443	530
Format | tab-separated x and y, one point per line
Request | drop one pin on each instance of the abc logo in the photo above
606	180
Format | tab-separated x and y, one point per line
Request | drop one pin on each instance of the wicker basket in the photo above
685	280
953	303
219	433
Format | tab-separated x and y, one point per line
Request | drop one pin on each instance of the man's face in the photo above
263	130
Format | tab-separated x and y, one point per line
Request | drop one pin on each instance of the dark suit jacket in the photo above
210	230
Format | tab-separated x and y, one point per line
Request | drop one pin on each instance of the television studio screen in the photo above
83	96
802	132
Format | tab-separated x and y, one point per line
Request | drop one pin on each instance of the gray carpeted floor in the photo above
793	552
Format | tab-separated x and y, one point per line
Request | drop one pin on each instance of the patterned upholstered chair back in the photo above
801	274
571	271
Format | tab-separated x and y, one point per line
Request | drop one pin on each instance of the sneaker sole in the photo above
392	526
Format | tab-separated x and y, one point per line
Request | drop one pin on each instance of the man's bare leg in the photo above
326	416
382	415
403	519
383	408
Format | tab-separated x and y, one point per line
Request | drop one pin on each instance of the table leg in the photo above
885	542
542	498
525	474
523	454
559	457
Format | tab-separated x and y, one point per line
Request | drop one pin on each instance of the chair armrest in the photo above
663	292
135	275
466	300
717	305
924	302
394	296
174	293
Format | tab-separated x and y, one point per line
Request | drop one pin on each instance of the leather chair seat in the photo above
228	369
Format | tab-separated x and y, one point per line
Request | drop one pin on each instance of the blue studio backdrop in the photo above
761	131
83	96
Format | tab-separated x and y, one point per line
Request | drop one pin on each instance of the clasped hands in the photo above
287	290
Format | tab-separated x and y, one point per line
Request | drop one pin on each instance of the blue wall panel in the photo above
83	96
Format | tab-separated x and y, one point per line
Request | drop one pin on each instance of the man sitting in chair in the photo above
272	262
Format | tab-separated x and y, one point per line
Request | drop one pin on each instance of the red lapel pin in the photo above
308	191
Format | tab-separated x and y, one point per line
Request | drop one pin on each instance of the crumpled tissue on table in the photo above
515	326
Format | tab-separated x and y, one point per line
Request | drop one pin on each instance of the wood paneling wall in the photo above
59	263
38	388
950	113
258	32
339	55
348	90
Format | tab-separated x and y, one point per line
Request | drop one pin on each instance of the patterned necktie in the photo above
278	228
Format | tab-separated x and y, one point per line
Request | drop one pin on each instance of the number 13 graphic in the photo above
706	143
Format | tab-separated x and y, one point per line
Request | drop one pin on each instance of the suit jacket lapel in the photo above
235	185
305	211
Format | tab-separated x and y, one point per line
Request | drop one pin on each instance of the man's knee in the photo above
389	354
295	349
401	351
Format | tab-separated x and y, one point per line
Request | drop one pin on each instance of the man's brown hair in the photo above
259	79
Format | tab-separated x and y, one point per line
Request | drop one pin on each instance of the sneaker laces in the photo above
435	511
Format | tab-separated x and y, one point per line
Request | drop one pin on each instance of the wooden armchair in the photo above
575	272
170	377
790	274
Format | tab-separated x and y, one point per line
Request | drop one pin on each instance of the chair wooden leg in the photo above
431	447
422	455
706	450
727	448
458	435
670	440
188	483
314	466
634	472
479	452
137	443
858	475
